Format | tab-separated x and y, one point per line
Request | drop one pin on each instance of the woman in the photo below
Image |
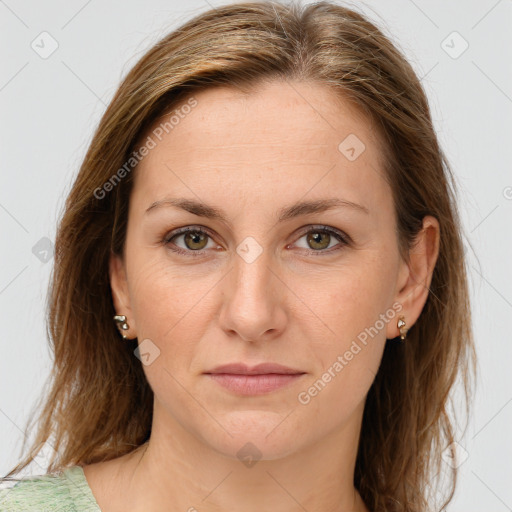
259	297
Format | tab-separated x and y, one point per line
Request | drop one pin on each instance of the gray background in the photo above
50	107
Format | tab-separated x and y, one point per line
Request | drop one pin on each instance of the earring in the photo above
402	328
122	325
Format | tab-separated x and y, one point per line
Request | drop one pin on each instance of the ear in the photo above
415	276
120	293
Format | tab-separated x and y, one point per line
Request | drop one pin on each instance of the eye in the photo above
319	239
195	240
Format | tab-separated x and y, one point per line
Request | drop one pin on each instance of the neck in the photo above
175	470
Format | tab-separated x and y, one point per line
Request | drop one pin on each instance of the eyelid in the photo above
181	231
344	239
321	227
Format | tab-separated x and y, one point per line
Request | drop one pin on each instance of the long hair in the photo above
99	404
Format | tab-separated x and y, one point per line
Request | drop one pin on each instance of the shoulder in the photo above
64	491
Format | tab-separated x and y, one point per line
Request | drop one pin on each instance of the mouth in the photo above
258	380
254	384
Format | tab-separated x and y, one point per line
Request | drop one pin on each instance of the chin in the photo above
258	435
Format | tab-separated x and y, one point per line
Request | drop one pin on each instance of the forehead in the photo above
282	137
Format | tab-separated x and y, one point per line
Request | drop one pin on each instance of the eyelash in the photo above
343	238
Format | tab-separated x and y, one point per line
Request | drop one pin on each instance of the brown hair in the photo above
99	405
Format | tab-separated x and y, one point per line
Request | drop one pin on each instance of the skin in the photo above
251	156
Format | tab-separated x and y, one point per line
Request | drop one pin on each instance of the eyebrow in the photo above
285	213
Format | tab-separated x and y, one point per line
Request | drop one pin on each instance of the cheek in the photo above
168	309
348	356
163	296
173	309
350	332
349	301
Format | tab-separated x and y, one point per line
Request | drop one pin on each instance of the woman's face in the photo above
315	290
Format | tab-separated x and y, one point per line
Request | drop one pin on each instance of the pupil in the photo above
195	237
316	238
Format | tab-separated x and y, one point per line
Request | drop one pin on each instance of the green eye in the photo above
319	239
195	240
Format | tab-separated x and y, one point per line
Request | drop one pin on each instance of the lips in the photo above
263	378
260	369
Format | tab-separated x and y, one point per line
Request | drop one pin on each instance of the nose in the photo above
254	298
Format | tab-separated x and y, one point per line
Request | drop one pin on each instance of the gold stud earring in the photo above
402	328
122	325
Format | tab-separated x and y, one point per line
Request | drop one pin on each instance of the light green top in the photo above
64	491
